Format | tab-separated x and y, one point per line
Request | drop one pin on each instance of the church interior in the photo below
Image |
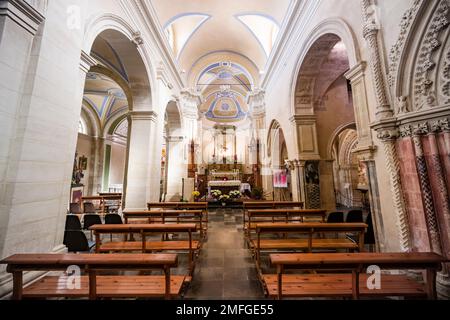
240	149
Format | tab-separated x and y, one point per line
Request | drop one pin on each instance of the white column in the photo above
139	185
176	168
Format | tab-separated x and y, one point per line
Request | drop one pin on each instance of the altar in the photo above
225	186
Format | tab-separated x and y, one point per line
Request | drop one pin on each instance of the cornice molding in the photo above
143	115
148	20
299	15
23	14
87	61
356	72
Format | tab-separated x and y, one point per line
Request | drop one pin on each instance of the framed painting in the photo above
76	194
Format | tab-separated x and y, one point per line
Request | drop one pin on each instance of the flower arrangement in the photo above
196	194
235	194
224	198
216	194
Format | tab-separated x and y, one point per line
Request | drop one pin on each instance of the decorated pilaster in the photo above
190	102
258	132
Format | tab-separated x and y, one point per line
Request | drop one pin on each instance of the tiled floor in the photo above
225	268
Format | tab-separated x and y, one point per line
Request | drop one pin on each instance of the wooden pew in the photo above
352	282
93	285
260	205
255	216
144	246
170	216
272	204
310	243
178	205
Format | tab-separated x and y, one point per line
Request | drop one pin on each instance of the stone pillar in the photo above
430	215
257	116
40	114
357	76
19	23
176	168
386	125
297	168
327	195
97	163
389	135
371	35
138	181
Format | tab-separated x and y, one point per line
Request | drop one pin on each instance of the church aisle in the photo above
225	268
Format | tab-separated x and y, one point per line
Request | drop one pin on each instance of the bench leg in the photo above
431	284
167	278
17	285
92	285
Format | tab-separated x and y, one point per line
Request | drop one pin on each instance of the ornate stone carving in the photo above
398	47
405	131
387	134
393	167
445	76
190	101
402	105
370	33
424	86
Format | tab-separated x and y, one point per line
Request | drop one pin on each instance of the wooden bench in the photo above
178	205
93	285
255	216
272	204
170	216
352	281
310	243
144	246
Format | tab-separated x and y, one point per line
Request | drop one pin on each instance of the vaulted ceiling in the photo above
196	28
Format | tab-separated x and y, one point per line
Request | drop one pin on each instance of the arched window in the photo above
82	126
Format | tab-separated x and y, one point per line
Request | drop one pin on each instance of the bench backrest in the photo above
271	204
178	205
310	227
144	228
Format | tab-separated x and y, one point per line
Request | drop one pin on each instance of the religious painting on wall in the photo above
76	195
82	163
280	178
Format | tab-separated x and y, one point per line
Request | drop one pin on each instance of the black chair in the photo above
75	208
91	219
335	217
113	218
88	207
354	216
76	241
72	223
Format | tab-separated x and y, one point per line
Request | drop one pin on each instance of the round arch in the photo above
110	22
331	26
336	133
